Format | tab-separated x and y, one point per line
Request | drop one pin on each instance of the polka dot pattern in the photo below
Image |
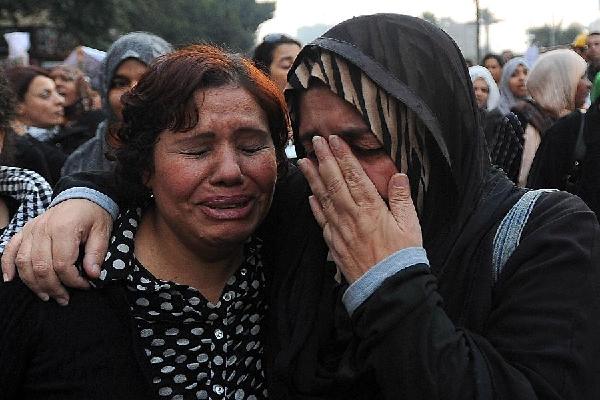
194	349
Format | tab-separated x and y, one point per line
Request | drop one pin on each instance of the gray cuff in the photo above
92	195
361	289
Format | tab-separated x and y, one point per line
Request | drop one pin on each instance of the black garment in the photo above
554	159
77	132
589	184
83	351
37	156
504	140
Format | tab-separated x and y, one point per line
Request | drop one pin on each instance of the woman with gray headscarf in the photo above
126	61
513	84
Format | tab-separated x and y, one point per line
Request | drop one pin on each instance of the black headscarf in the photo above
419	67
417	70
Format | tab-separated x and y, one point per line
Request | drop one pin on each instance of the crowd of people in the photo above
424	243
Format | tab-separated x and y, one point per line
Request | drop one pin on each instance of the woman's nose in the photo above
227	170
59	99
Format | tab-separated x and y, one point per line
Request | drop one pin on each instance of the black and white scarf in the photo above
31	191
393	123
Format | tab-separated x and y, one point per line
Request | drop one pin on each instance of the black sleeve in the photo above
541	337
102	181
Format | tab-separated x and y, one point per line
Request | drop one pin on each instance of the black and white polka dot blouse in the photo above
195	349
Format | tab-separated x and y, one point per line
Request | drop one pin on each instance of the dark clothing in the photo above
589	184
554	159
77	132
504	141
92	155
47	351
37	156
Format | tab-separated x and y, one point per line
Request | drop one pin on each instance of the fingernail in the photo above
43	296
5	277
62	301
317	140
95	269
400	181
334	142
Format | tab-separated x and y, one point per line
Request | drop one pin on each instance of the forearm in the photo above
417	351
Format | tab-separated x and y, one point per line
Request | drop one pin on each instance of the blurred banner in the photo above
88	60
18	47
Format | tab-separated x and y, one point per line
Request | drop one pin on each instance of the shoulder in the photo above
82	156
556	206
562	227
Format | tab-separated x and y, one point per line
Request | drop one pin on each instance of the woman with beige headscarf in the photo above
558	86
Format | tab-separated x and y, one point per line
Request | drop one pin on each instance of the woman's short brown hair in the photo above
163	100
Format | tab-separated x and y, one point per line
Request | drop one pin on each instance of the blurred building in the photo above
464	34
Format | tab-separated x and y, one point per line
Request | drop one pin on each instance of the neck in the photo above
170	256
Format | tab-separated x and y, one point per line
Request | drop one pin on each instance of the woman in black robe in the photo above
506	303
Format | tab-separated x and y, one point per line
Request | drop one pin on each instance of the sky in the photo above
517	15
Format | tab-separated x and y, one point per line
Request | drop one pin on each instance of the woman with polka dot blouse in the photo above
184	305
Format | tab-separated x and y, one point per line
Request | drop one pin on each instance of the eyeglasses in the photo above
275	37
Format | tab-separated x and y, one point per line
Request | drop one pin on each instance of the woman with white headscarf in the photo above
503	132
558	86
486	91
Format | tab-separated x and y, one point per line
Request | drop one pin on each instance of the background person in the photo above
275	55
81	119
579	44
126	61
558	86
494	63
513	84
24	194
38	114
592	55
565	73
503	132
